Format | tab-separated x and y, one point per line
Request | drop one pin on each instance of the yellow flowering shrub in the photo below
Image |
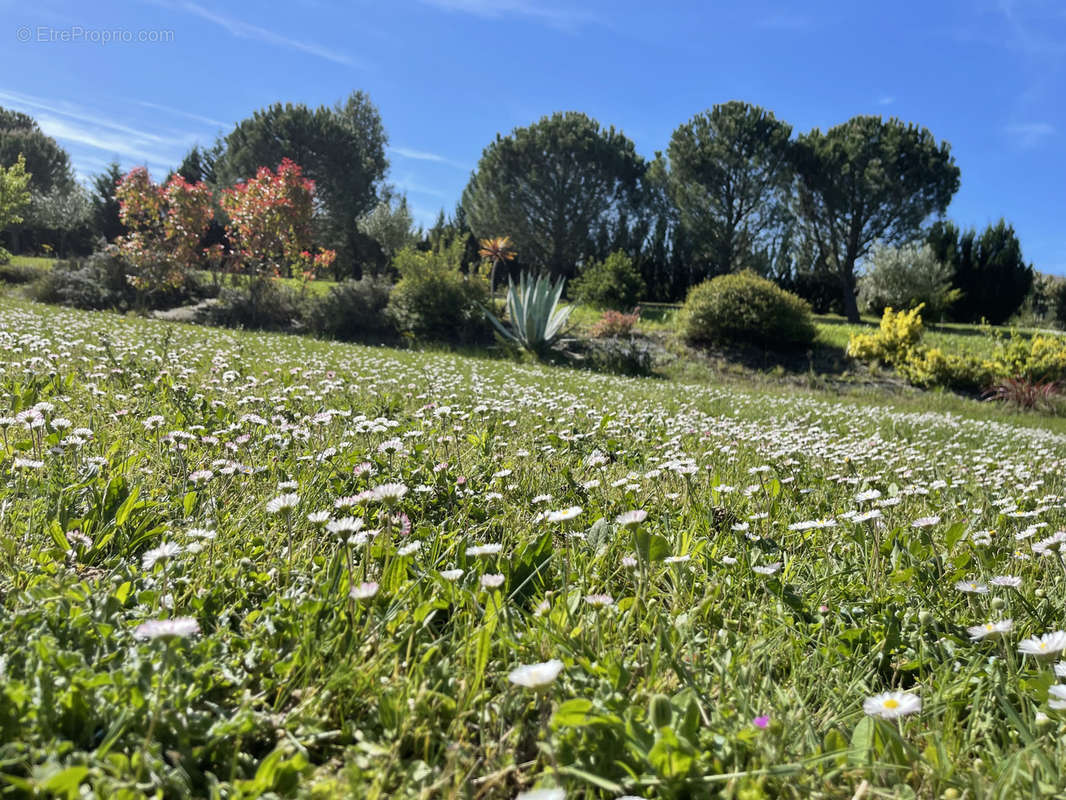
900	332
898	344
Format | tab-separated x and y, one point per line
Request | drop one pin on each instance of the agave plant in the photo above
535	315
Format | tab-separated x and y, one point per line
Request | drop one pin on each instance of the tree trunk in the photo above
851	305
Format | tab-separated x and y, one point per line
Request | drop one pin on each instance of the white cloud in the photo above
1030	134
246	30
66	131
423	155
179	113
32	105
568	19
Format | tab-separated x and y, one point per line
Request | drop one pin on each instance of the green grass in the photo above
653	318
317	287
40	262
724	645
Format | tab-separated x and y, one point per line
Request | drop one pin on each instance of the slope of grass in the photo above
237	565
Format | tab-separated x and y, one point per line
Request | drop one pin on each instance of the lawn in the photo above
39	262
241	564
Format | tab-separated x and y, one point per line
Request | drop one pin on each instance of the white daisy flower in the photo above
1047	644
364	591
536	676
890	705
990	630
282	504
167	628
563	515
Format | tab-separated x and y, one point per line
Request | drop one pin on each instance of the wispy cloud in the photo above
246	30
423	155
120	146
1031	30
179	113
34	105
568	19
78	129
886	100
1030	134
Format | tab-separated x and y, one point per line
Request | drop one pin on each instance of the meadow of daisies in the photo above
241	565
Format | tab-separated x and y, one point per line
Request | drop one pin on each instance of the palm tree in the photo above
497	249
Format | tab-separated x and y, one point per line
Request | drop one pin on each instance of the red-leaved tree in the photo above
270	228
165	225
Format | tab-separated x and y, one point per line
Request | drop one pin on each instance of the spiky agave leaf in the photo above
533	307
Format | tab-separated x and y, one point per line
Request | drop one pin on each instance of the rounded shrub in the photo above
743	307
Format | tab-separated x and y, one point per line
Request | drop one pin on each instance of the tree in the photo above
270	227
729	177
342	149
497	250
199	164
389	223
62	210
105	206
14	197
46	161
165	225
869	181
551	183
906	277
989	270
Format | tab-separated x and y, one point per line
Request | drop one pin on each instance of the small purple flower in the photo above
762	721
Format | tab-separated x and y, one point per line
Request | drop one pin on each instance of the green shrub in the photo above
100	281
354	310
611	283
94	283
433	300
263	303
743	307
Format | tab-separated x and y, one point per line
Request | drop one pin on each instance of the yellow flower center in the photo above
1043	645
890	703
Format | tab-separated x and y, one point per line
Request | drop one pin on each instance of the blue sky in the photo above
989	76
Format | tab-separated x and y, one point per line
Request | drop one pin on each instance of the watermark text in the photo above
77	34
